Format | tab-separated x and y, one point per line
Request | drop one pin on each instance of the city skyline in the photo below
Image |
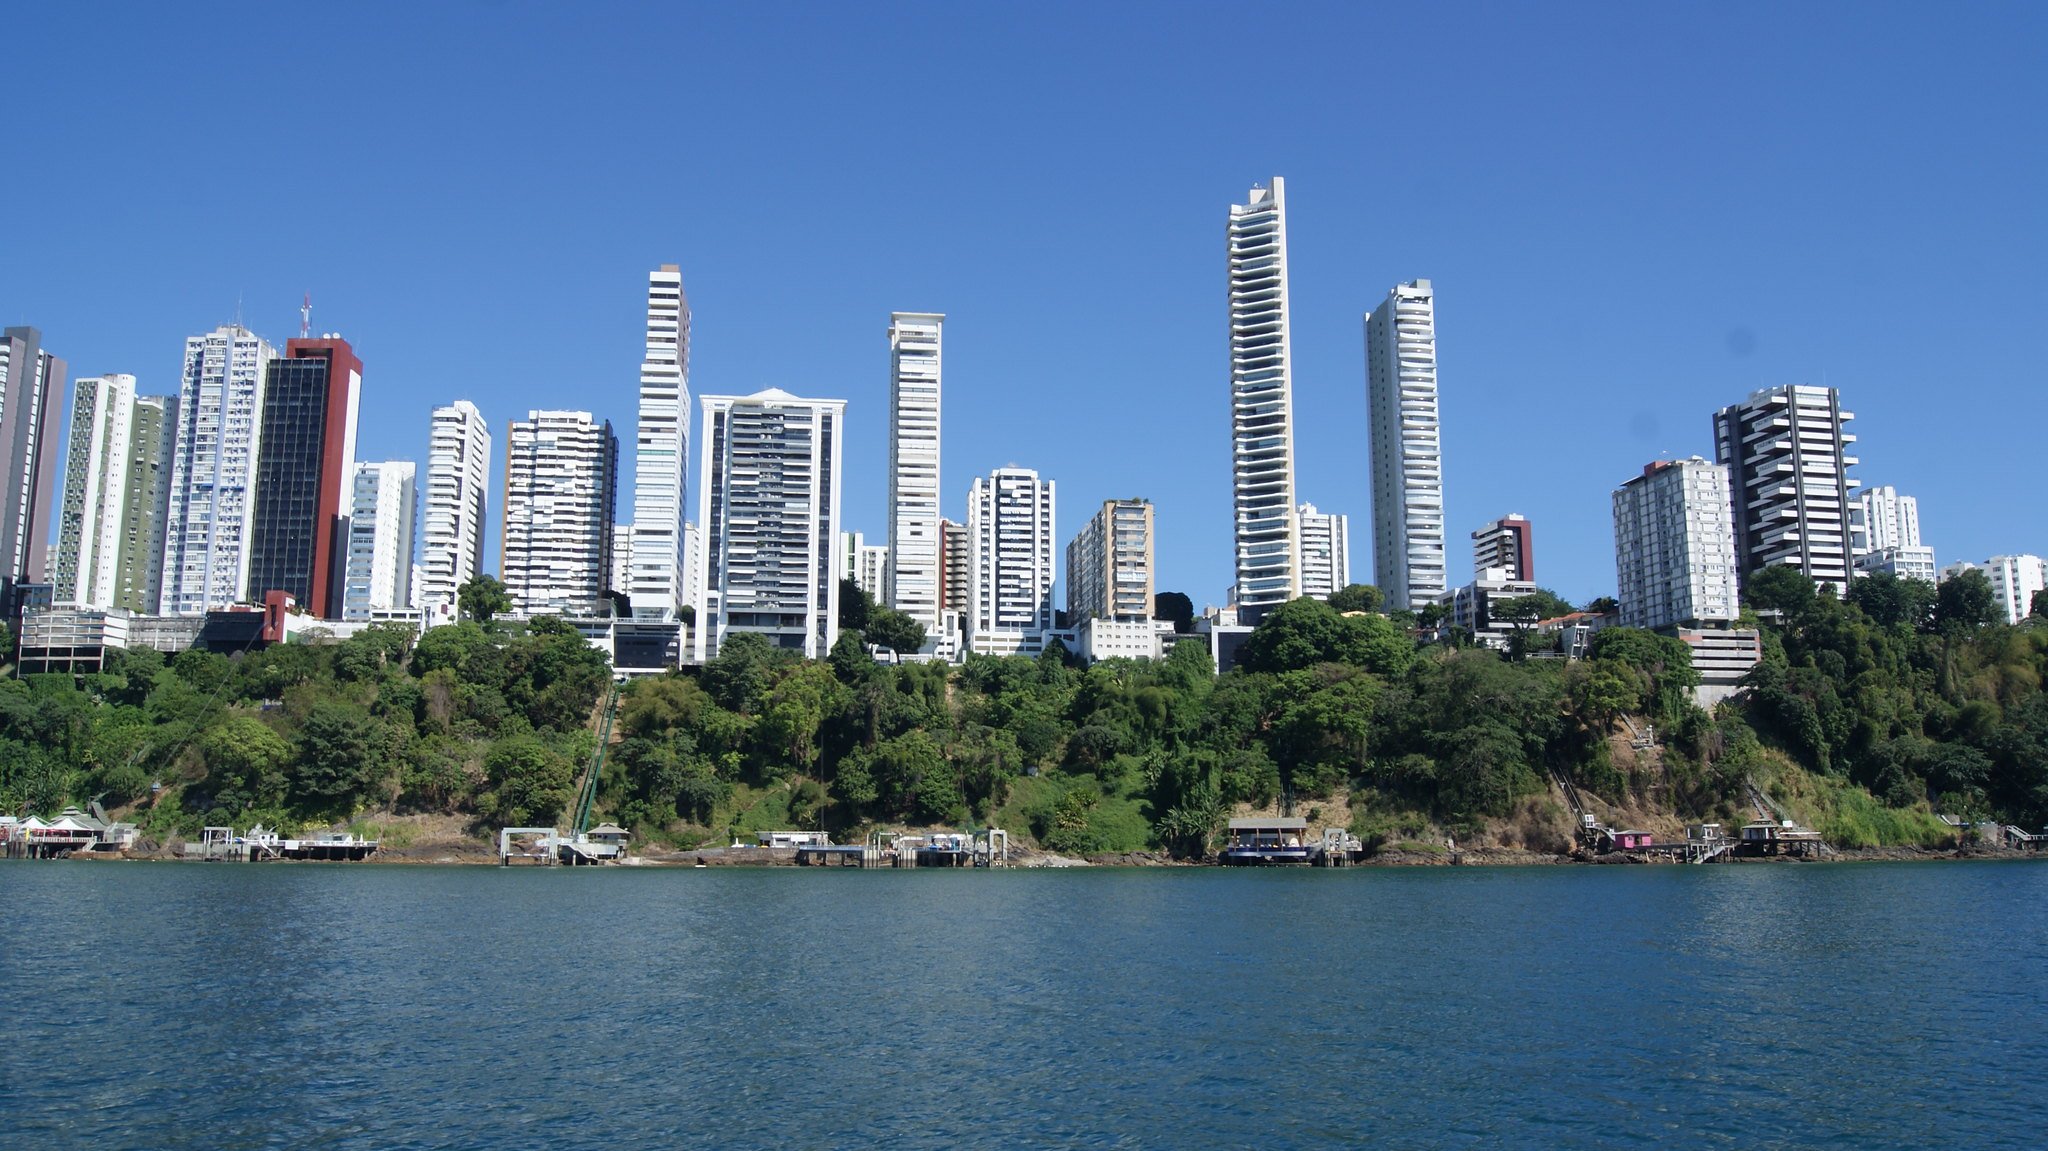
1741	237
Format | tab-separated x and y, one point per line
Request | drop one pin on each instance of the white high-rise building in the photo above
1888	535
1408	554
1109	564
1325	552
910	580
1508	544
213	469
2014	580
863	563
457	498
662	459
561	490
768	516
1786	451
1674	546
1268	565
1011	552
110	528
382	504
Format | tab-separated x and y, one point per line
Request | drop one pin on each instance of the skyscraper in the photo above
1888	535
1786	451
910	578
1010	562
1408	557
110	527
768	514
380	532
1325	551
458	485
305	469
863	563
211	504
1508	543
1262	405
954	568
31	400
1109	564
1674	546
662	458
561	491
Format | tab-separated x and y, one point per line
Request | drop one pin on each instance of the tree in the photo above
895	630
1357	597
532	781
855	606
1889	601
1604	605
1780	587
1177	608
1965	602
2038	606
481	598
245	763
341	755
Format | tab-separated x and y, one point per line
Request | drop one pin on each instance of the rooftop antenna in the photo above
238	310
306	317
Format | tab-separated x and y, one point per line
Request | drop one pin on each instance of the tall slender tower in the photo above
110	533
305	473
1109	564
910	579
1674	546
768	520
458	496
380	524
1262	405
211	504
31	401
1787	454
1407	451
662	458
561	491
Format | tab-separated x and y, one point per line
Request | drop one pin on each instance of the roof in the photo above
608	829
1276	822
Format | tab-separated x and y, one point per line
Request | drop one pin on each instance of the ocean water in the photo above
311	1006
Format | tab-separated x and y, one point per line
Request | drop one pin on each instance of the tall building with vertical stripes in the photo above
110	528
1408	558
910	575
31	403
457	499
1325	551
661	459
561	492
1011	559
768	498
1109	564
1787	454
305	474
1268	562
382	502
210	510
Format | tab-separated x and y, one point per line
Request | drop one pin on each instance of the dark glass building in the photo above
305	451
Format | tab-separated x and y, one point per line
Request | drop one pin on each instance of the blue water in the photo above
242	1006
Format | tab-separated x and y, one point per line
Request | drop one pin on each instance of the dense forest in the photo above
1868	712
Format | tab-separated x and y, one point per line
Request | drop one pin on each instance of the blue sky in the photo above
1632	215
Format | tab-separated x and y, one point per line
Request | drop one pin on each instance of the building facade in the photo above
211	505
910	581
1507	543
1010	562
2014	580
31	403
768	498
110	529
1786	451
1268	560
863	563
1408	554
305	472
1674	546
457	499
561	491
661	460
1109	564
382	504
1325	551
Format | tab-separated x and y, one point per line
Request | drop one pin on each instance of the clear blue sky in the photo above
1632	215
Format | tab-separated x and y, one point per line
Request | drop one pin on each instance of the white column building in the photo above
1011	551
382	505
1408	553
1325	551
1674	546
213	469
1890	535
95	482
1786	451
910	580
457	499
1268	563
768	497
863	563
2014	580
561	489
662	455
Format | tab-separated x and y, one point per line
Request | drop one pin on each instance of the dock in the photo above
990	848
